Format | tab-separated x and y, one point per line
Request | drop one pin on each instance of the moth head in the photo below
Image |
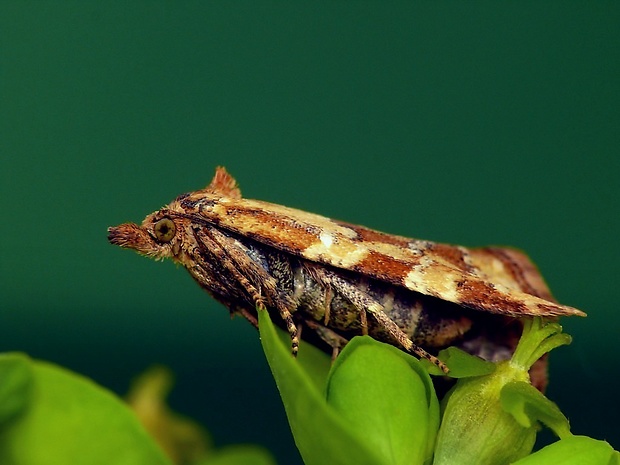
158	237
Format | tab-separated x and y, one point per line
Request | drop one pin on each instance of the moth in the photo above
337	280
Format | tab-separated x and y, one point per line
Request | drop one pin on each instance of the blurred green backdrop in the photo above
472	123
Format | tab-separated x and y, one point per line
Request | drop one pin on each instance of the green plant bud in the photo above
386	399
493	419
476	429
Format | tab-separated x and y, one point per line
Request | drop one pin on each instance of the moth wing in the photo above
512	268
442	271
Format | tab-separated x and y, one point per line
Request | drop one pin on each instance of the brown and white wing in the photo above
450	273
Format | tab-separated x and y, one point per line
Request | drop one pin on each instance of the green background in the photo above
472	123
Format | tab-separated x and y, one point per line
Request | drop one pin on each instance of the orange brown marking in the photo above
393	270
276	230
523	271
481	295
451	254
370	235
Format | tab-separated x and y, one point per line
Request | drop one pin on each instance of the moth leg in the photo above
364	320
234	259
320	276
365	303
333	339
237	310
248	316
329	295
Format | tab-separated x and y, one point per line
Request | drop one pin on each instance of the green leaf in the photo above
16	380
574	450
322	437
386	402
460	363
239	455
528	405
69	419
314	362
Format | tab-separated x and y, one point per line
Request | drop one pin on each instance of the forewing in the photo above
446	272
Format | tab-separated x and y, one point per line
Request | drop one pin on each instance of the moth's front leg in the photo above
262	288
366	304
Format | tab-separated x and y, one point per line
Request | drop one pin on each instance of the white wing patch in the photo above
341	254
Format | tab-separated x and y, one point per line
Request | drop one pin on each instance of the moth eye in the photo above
164	230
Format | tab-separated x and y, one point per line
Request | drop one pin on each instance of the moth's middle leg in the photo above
365	303
329	336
